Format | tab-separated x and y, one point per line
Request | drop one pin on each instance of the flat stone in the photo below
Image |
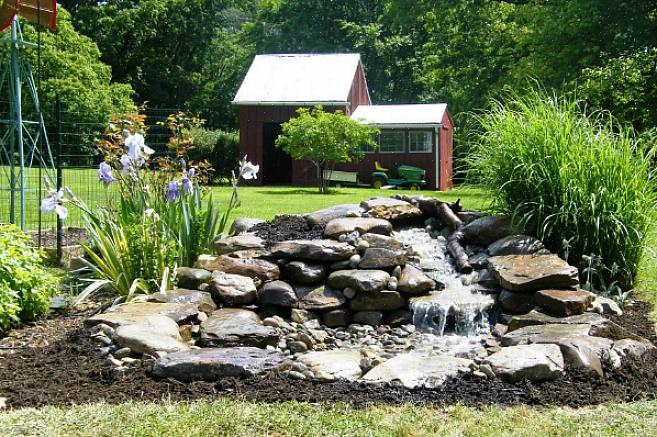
150	322
585	352
236	327
243	242
415	370
145	341
544	334
486	230
300	272
563	303
233	289
278	293
202	300
302	316
525	273
516	245
179	312
604	305
479	261
319	298
382	241
628	348
379	258
372	318
214	364
314	250
515	303
535	362
413	281
253	268
323	216
359	280
363	225
336	318
535	317
243	225
391	209
383	300
341	364
191	278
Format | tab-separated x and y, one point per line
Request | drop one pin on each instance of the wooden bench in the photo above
341	177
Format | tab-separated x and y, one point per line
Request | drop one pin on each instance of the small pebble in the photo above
202	317
354	261
349	293
295	375
270	321
122	353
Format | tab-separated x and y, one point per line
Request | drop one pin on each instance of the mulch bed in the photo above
287	227
50	363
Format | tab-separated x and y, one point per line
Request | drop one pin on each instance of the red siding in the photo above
358	95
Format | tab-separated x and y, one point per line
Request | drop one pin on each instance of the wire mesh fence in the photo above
76	159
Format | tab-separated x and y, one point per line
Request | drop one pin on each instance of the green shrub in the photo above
578	181
25	287
220	148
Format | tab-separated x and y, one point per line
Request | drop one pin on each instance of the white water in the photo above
457	309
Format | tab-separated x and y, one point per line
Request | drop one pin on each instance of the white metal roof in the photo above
401	115
298	79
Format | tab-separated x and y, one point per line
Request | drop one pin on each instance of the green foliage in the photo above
219	148
325	138
71	69
25	286
577	181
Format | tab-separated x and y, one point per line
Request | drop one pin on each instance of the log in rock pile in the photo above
337	307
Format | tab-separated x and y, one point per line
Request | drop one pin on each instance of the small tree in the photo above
325	139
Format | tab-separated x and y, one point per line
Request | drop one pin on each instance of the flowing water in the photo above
454	318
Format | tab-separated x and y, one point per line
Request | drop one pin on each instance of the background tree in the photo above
325	138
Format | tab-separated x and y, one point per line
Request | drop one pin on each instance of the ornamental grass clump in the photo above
163	216
578	181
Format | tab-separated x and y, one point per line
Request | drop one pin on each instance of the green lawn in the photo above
237	417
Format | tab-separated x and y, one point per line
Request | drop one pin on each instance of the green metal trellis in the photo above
24	143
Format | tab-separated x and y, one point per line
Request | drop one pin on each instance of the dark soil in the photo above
50	363
288	227
70	237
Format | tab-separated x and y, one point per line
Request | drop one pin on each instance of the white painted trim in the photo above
404	126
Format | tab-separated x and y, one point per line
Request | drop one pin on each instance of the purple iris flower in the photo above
186	181
105	173
172	191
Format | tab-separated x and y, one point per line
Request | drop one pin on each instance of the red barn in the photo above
277	85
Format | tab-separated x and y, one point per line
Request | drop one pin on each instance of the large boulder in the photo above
213	364
526	273
240	243
383	300
319	298
243	225
413	281
253	268
391	209
146	341
416	370
341	363
379	258
202	300
192	278
544	334
516	245
301	272
535	362
359	280
323	216
336	318
382	241
236	327
372	318
278	293
314	250
346	225
563	303
486	230
233	289
585	352
180	312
